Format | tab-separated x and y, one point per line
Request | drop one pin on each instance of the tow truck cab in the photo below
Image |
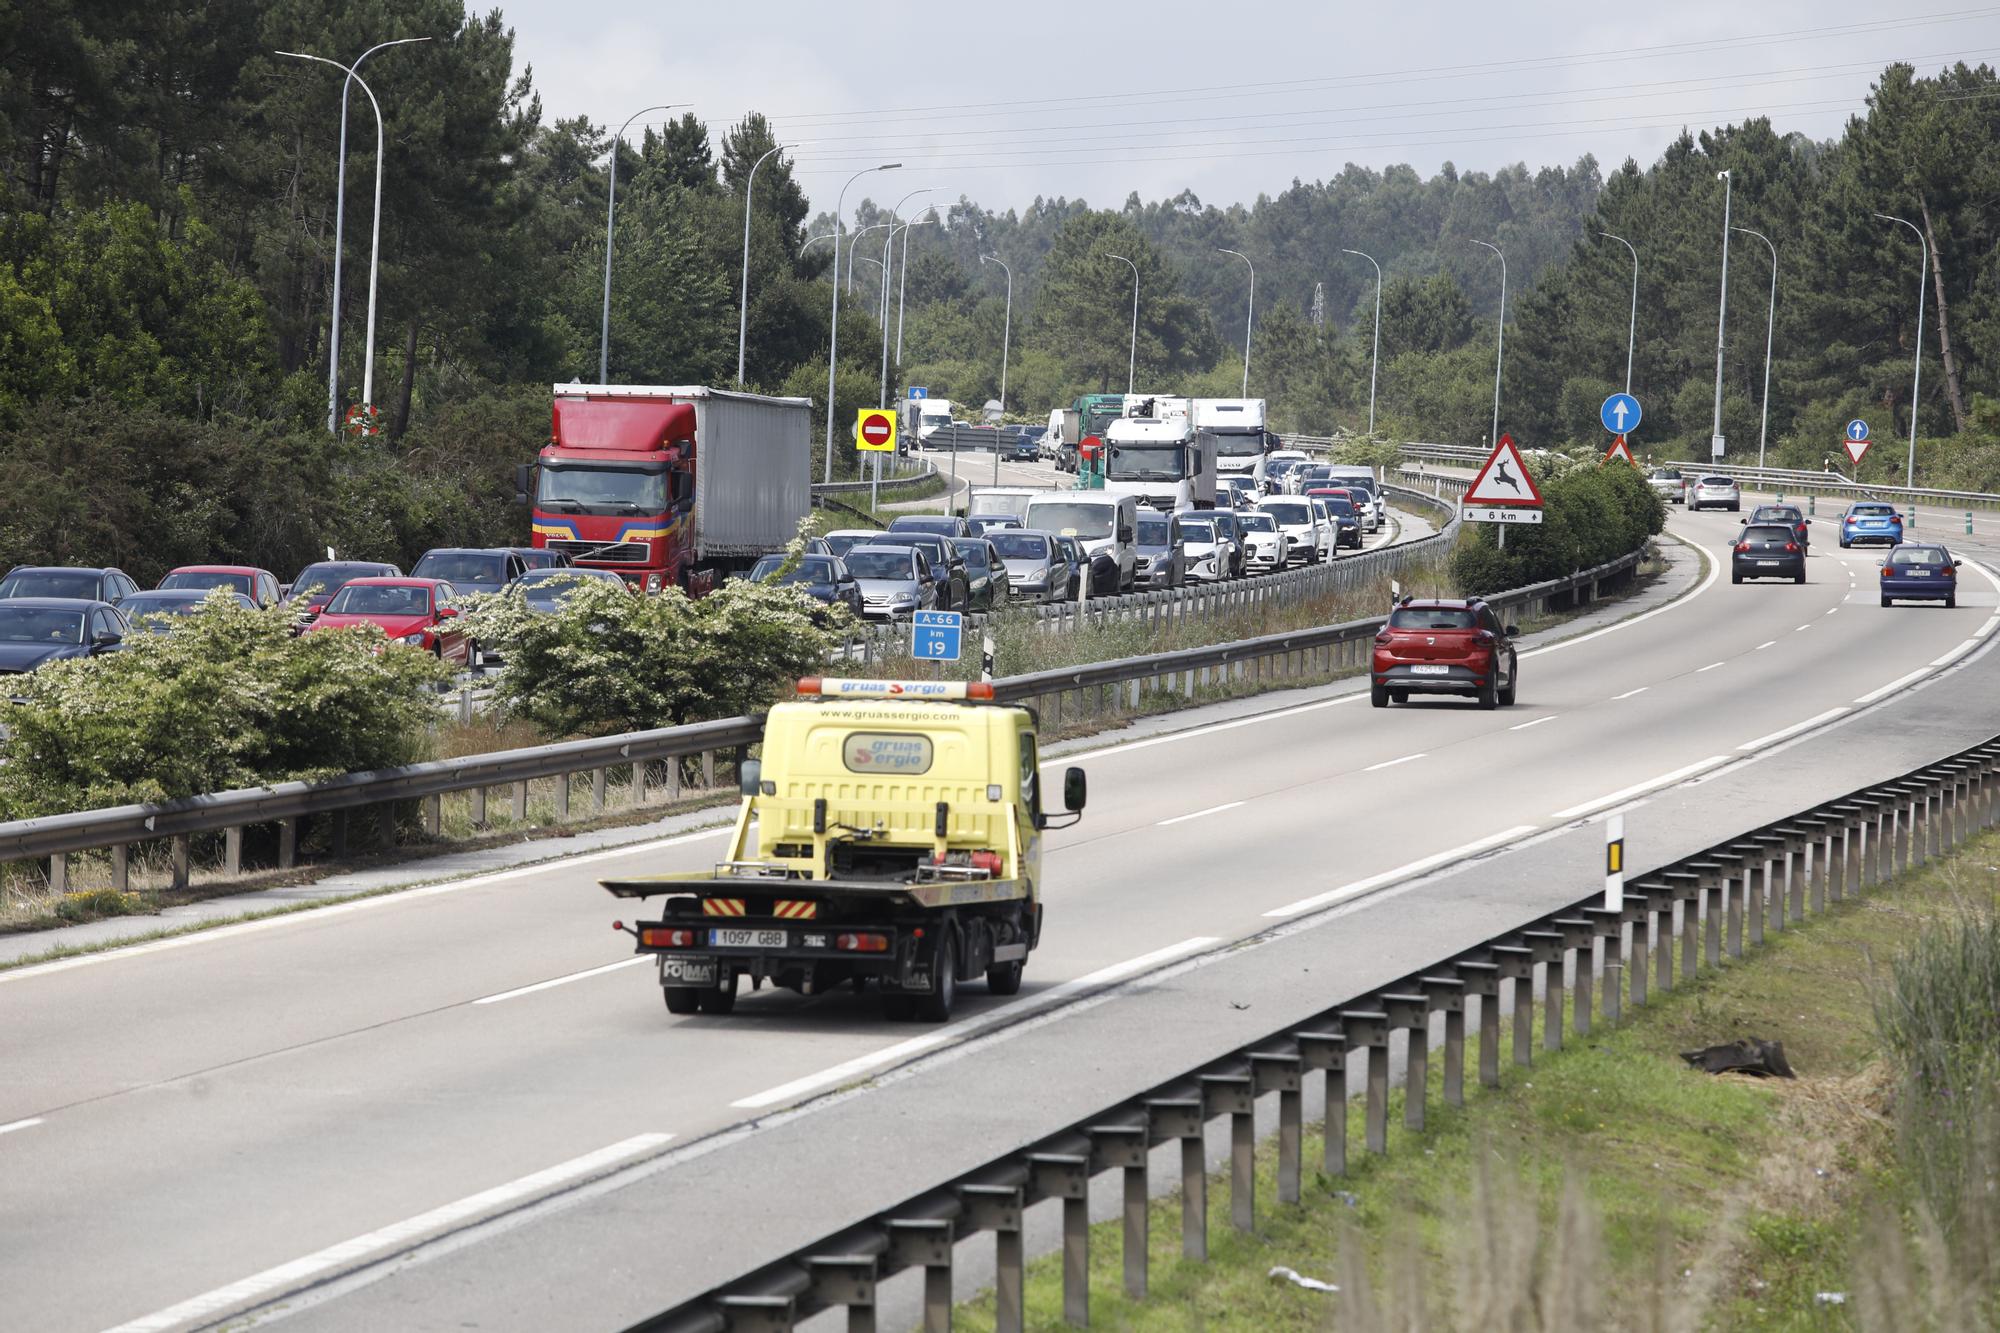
889	836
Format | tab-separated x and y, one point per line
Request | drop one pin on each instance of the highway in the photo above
205	1124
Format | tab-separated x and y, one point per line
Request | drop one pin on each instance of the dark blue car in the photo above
35	631
1913	573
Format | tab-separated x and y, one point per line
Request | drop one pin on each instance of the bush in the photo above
1590	515
230	698
608	661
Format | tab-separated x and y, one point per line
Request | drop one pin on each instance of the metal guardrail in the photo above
1700	908
898	470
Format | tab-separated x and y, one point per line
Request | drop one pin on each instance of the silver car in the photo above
1037	569
1668	484
895	581
1714	492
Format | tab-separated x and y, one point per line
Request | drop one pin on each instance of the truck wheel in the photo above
719	999
682	999
1005	978
936	1007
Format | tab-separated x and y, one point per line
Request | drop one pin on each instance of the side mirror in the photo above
523	475
107	641
749	774
447	612
1074	789
1958	564
1510	630
1742	522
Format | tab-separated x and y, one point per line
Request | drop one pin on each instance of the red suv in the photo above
1440	646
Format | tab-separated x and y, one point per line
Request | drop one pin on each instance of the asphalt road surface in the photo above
206	1124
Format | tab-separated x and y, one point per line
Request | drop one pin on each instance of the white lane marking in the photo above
29	1123
1391	763
1956	653
1793	730
284	1277
1714	573
1988	628
1831	609
1536	723
1894	685
1212	810
356	905
1710	667
1629	693
955	1032
1768	643
1640	789
1402	872
553	982
1802	628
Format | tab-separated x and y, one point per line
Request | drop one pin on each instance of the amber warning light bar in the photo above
830	687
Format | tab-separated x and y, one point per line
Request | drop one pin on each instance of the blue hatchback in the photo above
1871	521
1913	573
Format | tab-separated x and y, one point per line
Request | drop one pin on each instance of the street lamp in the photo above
1770	324
1132	362
339	222
904	282
833	340
1500	340
1917	379
852	237
610	204
1632	329
1374	360
1006	334
1721	310
810	240
743	311
882	308
1249	314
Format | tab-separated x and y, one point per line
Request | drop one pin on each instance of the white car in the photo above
1311	541
1236	491
1209	555
1265	546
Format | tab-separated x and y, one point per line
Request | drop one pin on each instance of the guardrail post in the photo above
562	797
288	843
1757	884
1411	1012
998	1209
1712	882
1608	925
1233	1094
1327	1052
1856	814
1659	899
1819	859
478	798
1791	902
520	802
59	873
1548	947
1686	885
926	1243
1482	979
178	860
756	1314
232	851
337	838
1579	936
1447	995
1181	1118
639	779
1367	1031
433	815
1517	965
1124	1147
598	778
845	1280
707	771
1279	1072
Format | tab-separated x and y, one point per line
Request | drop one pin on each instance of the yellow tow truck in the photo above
890	836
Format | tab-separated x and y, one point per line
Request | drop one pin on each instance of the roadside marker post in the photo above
1614	863
986	657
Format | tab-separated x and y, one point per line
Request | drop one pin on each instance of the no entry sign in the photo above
875	430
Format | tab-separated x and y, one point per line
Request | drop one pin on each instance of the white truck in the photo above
1233	430
1157	456
925	415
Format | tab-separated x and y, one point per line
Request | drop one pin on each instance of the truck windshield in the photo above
1096	419
1072	519
1148	462
588	488
1235	443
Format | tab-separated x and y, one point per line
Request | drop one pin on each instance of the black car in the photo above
954	583
1768	551
471	569
1788	515
546	590
821	577
38	630
1022	443
317	583
68	582
986	571
153	612
944	525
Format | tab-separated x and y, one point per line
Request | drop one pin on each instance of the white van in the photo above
931	414
1310	539
1106	525
1009	500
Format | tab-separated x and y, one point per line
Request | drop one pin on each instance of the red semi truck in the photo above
669	487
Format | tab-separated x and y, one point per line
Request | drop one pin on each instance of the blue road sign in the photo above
919	391
1620	413
1857	430
935	636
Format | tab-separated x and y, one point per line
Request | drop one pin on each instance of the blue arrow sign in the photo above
919	391
1857	429
935	636
1620	413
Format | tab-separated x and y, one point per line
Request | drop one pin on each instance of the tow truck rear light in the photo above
866	941
671	938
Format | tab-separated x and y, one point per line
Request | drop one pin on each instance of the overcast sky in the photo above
1098	98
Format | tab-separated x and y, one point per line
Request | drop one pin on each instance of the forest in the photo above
167	202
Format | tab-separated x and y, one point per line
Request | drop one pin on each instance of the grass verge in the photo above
1613	1186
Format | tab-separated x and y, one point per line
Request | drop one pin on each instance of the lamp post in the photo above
833	339
852	237
897	212
1375	359
1249	314
1721	311
812	240
1770	324
1499	342
1132	361
1917	378
610	206
1006	334
339	222
1632	327
743	310
882	307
